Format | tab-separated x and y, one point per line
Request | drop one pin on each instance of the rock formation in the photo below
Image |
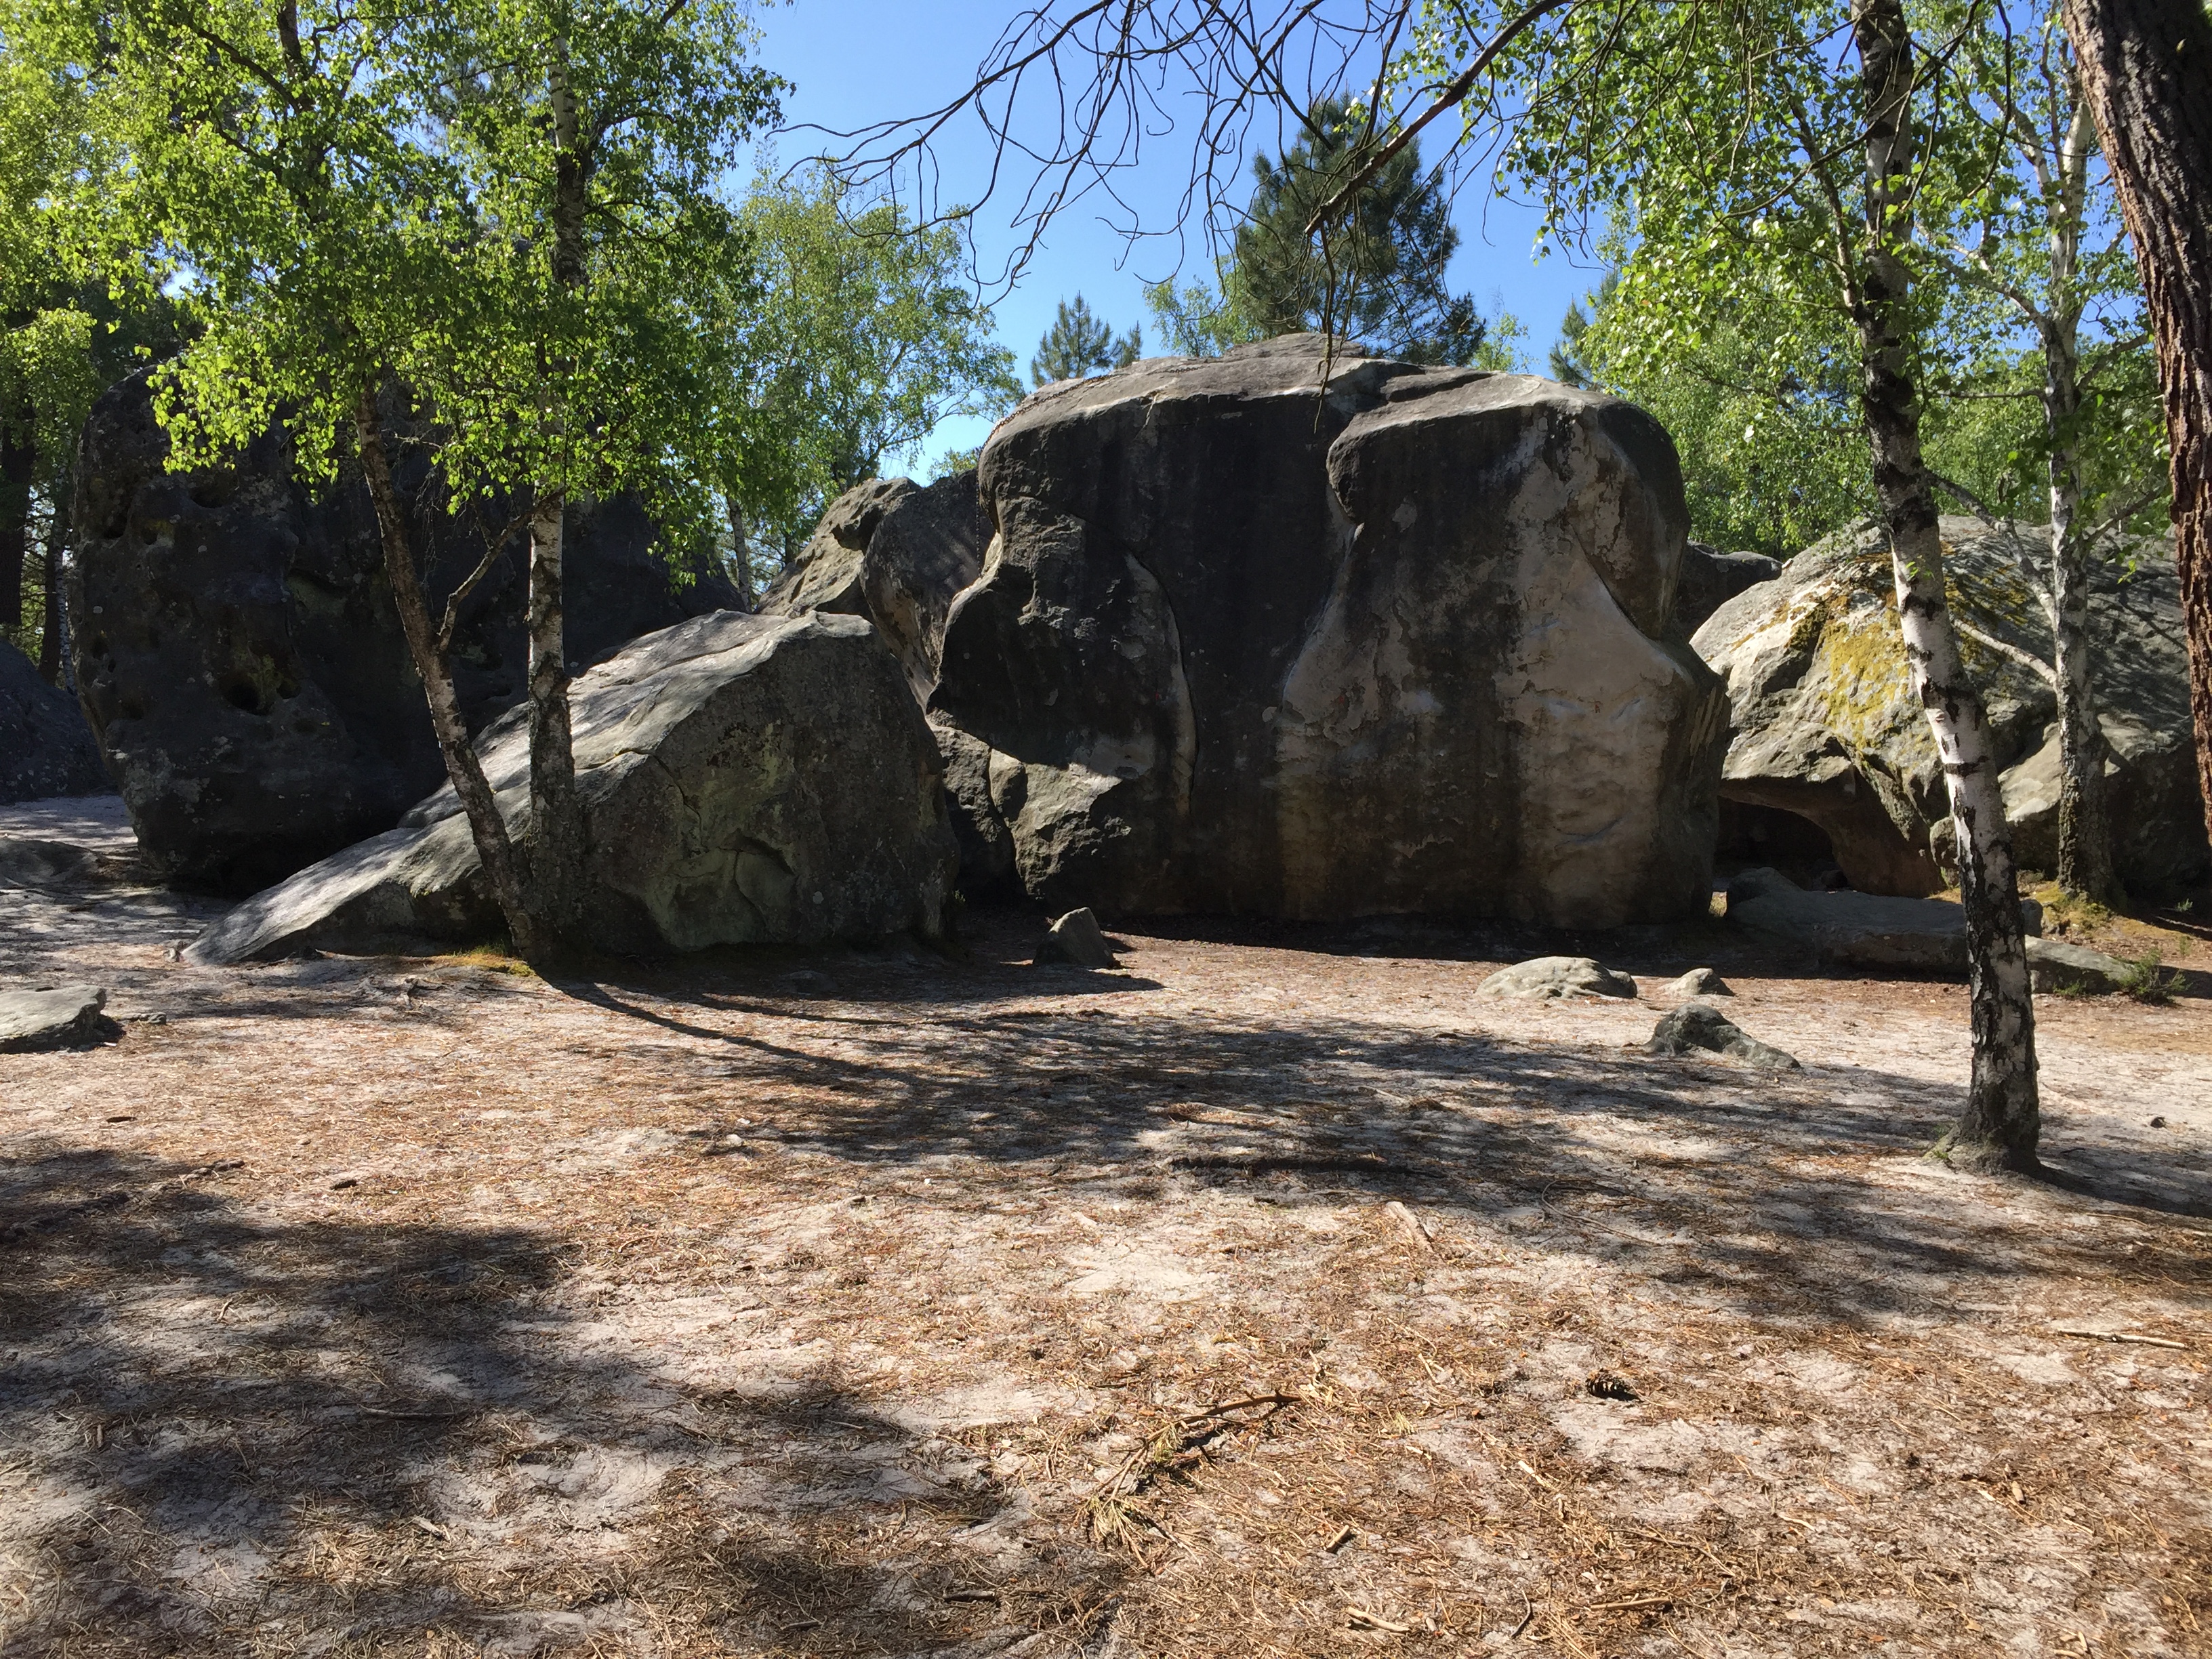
746	779
1711	578
1864	930
1241	645
1825	726
242	662
45	747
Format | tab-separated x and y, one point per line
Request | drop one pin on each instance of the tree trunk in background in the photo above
2002	1122
556	815
502	868
740	557
2147	67
18	461
50	634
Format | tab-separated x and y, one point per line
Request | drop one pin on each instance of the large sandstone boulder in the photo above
1241	645
1865	930
45	747
746	779
897	552
1824	725
242	662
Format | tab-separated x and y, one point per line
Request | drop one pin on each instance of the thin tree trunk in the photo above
50	635
2147	67
2085	839
2001	1125
556	814
557	837
18	461
502	859
740	557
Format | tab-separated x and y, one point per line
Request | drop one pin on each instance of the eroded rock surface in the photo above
1825	724
1546	979
746	779
1242	646
1865	930
242	662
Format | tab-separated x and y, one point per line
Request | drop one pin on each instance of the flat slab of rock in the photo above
1699	983
26	862
2055	965
1077	938
54	1018
1866	930
746	779
1699	1026
1544	978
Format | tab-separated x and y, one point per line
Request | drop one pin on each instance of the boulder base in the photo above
59	1018
1242	644
746	779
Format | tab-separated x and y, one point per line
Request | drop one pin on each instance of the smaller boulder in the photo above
1543	979
61	1017
2055	965
1075	938
26	862
1699	983
1700	1026
1866	930
1710	578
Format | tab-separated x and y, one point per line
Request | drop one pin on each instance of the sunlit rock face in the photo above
1246	641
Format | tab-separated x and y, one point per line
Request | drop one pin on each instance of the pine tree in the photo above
1079	343
1378	276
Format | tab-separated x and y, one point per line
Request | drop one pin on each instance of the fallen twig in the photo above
1376	1621
2119	1336
1410	1226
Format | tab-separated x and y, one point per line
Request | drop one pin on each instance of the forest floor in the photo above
1273	1294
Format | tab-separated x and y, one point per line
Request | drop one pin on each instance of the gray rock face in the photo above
1824	724
1241	647
1545	979
242	662
897	553
1075	938
1699	983
1866	930
45	747
746	780
1700	1025
2055	965
1710	577
60	1018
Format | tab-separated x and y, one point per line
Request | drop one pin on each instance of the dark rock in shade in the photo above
1826	725
45	747
242	664
1075	938
1244	645
60	1017
746	780
1698	1025
27	862
1710	577
1865	930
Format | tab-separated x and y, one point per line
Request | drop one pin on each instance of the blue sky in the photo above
857	61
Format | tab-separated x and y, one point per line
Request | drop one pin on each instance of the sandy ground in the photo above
1275	1295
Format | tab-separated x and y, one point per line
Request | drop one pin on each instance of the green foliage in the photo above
954	462
1196	320
1078	344
1378	275
2144	979
863	337
507	205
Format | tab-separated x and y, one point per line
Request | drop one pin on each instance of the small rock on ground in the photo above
1077	938
52	1018
1699	983
1541	978
1698	1025
2055	965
